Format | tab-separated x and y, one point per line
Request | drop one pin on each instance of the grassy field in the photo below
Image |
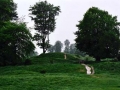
60	75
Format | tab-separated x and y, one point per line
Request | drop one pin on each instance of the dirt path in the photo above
90	69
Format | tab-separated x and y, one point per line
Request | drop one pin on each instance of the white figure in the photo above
88	69
65	56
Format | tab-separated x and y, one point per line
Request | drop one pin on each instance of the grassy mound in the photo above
42	69
54	58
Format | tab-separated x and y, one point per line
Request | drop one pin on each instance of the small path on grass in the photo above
90	69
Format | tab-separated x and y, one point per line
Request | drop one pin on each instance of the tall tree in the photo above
67	47
43	14
7	13
58	46
98	34
15	43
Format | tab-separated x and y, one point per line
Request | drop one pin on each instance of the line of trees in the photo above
15	38
97	35
68	48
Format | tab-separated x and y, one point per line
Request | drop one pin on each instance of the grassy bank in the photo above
60	75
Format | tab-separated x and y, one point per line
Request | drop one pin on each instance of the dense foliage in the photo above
15	37
15	43
7	10
98	34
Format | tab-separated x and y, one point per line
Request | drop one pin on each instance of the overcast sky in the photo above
71	12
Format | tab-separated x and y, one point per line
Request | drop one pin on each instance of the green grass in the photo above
107	67
58	82
54	58
61	75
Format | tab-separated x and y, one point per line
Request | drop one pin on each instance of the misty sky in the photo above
72	11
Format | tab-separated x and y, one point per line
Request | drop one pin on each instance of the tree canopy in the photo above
43	14
7	10
98	34
15	43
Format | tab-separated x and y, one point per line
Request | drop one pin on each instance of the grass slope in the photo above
54	58
60	75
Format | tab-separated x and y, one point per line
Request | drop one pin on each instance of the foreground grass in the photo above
59	82
52	72
56	77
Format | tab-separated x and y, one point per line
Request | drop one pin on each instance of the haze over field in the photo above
71	12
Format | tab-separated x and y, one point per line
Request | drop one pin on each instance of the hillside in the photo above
60	75
54	58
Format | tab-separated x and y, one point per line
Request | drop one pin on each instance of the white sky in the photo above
71	12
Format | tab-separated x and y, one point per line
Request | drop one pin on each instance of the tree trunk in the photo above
43	46
43	49
98	59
